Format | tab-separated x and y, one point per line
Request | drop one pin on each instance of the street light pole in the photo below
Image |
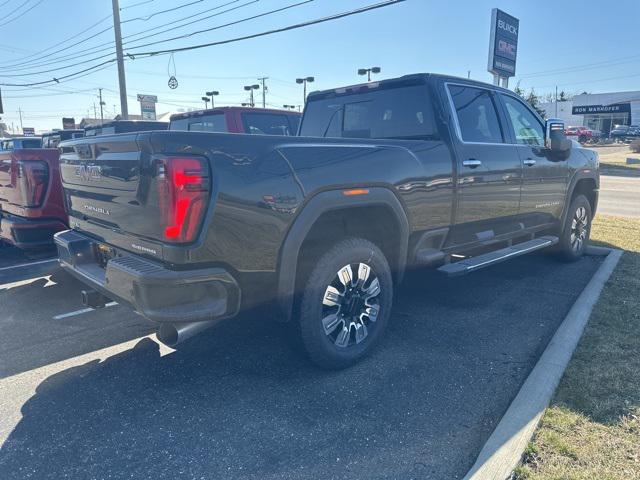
206	102
250	89
304	81
212	94
124	109
369	71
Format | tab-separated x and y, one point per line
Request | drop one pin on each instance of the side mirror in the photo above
555	139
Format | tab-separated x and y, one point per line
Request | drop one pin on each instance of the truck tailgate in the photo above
108	182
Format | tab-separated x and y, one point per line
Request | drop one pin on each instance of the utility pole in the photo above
124	110
264	91
101	104
20	113
95	112
556	101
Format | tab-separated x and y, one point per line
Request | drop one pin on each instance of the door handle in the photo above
472	163
529	162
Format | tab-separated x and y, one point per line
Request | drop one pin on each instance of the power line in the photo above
136	4
277	30
574	68
222	42
271	12
62	42
186	35
22	14
144	19
96	49
58	80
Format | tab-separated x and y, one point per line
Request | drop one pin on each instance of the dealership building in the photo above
597	111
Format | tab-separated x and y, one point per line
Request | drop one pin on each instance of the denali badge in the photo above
89	173
101	210
144	249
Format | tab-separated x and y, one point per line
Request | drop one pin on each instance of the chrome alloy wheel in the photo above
579	229
350	306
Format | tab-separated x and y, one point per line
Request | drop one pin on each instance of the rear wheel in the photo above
345	304
576	230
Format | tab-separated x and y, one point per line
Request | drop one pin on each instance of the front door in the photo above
545	177
489	169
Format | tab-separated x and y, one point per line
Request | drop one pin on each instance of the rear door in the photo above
489	168
544	178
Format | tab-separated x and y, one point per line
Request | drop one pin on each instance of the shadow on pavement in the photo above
238	402
31	337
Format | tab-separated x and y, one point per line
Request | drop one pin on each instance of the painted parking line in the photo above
82	311
30	264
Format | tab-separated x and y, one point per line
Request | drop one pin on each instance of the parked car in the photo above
420	171
259	121
31	201
52	139
17	143
582	134
123	126
619	132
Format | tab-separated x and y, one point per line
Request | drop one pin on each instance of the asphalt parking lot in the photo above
86	395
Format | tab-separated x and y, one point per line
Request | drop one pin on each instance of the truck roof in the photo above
58	132
405	80
209	111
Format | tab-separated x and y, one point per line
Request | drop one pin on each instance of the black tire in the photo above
576	230
333	348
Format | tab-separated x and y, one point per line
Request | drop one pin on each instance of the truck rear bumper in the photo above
159	294
27	233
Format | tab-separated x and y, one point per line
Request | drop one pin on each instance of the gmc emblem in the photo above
89	173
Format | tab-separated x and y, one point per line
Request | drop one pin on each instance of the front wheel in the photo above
576	230
345	304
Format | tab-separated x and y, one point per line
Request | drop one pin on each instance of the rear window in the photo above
266	124
399	113
205	123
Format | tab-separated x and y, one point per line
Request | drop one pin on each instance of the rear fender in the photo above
314	208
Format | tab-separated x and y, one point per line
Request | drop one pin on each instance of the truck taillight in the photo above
183	193
32	179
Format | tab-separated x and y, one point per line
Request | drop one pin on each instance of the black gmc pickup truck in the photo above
424	170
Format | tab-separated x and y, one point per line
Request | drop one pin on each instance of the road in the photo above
619	196
89	395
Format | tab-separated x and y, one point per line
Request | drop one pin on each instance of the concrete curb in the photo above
503	450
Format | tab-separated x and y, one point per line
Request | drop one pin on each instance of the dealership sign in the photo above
148	106
28	131
503	46
588	109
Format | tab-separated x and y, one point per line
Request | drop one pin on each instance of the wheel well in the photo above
586	187
374	223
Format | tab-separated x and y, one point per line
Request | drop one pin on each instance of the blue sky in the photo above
578	46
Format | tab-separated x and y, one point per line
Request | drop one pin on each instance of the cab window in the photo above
477	114
525	126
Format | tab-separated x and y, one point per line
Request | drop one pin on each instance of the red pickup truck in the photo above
31	204
256	121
